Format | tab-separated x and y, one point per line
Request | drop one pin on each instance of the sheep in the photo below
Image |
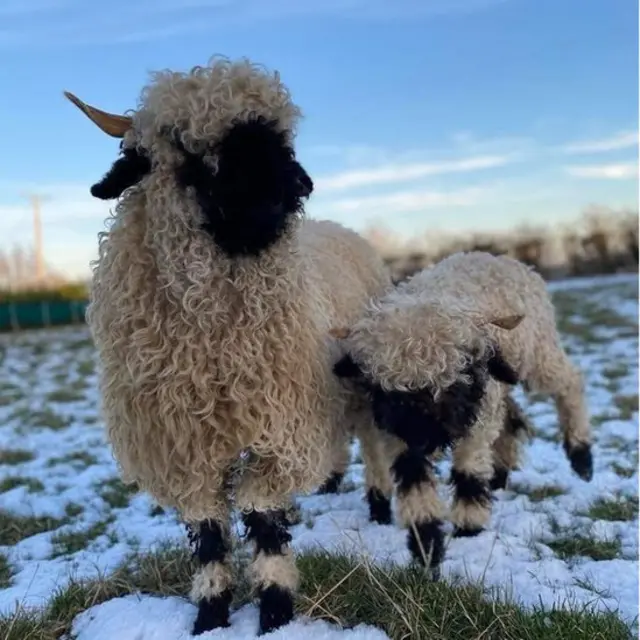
436	357
211	300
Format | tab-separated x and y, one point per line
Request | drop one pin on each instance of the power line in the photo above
36	200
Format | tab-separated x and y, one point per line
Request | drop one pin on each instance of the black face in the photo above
247	205
416	417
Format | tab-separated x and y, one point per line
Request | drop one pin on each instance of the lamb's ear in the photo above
507	322
340	332
347	368
124	173
500	369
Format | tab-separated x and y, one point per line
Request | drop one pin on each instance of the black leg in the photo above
473	495
211	587
417	496
499	478
268	530
581	459
379	506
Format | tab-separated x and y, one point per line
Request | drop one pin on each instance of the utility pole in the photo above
36	200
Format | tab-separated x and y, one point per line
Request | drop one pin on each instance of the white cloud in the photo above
404	172
621	140
619	171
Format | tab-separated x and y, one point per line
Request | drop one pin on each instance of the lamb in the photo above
211	303
436	357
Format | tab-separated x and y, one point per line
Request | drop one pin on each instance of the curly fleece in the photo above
426	330
205	357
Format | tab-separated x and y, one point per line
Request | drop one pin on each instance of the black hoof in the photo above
379	506
332	483
466	532
212	614
429	540
581	460
499	479
276	608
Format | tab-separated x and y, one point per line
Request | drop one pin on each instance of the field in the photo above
82	556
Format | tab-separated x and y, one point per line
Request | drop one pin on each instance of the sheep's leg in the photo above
262	496
340	458
507	447
420	508
557	376
273	570
211	586
471	475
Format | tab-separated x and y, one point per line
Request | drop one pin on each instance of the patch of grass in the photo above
620	508
539	493
580	544
341	590
69	542
73	510
5	572
46	418
14	528
627	405
33	484
116	493
68	394
623	472
86	368
75	458
15	456
10	393
616	371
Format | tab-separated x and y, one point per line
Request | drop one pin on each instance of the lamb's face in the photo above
424	373
223	135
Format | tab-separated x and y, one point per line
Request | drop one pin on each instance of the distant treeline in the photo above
602	242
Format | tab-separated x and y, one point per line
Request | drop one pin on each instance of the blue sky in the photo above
419	114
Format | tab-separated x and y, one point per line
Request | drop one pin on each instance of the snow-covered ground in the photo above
553	538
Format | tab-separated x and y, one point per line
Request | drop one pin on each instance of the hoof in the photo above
466	532
499	479
276	609
212	614
581	460
332	484
379	507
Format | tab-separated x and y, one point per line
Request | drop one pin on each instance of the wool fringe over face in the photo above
216	379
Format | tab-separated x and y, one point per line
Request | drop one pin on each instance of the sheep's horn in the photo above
110	123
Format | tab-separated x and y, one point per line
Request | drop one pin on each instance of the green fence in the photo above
39	314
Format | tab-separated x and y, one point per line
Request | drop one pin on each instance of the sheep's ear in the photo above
112	124
340	332
124	173
507	322
501	370
347	368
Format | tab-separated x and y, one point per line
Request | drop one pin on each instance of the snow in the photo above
513	555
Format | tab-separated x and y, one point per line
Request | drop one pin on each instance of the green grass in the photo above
583	545
68	542
5	572
627	404
623	471
620	508
341	590
33	484
75	458
539	493
69	394
15	456
117	494
14	528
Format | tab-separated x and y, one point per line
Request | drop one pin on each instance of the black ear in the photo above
124	173
501	370
347	368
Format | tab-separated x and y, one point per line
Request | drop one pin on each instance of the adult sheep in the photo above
436	357
211	302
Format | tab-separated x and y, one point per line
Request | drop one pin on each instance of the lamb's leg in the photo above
506	448
377	452
557	376
211	586
471	475
420	508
